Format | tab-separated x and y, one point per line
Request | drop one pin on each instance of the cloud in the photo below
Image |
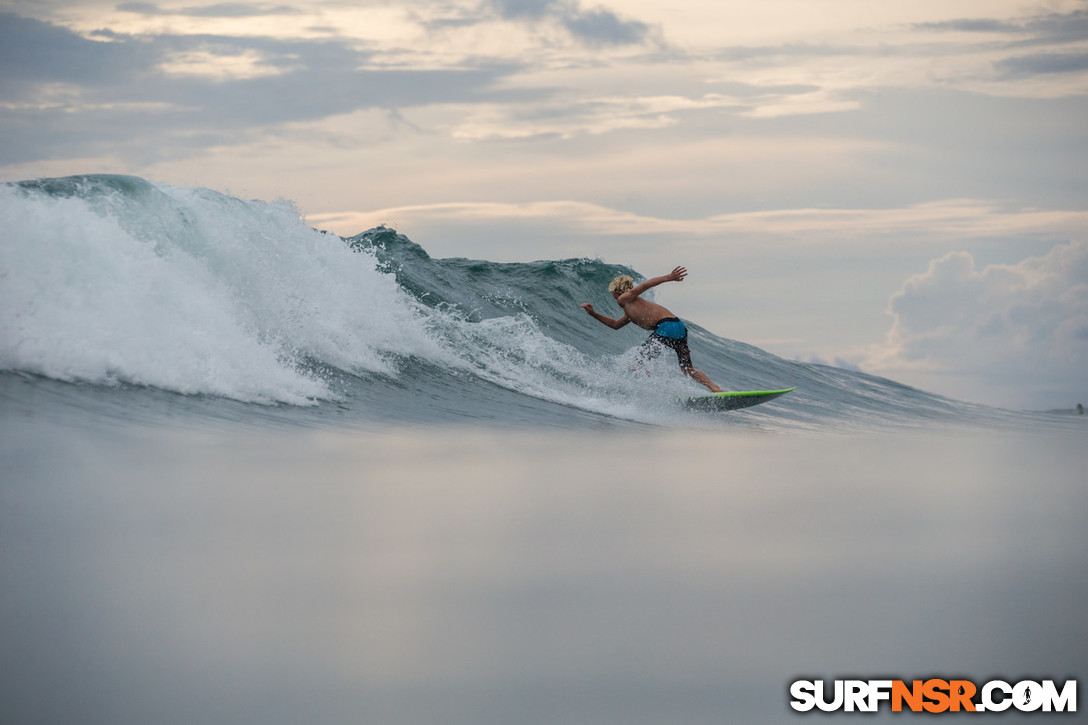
526	8
1059	27
66	95
972	25
1055	30
1035	29
937	223
33	52
218	10
603	27
1043	63
1020	328
598	26
597	116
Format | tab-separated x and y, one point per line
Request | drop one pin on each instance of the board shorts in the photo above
671	333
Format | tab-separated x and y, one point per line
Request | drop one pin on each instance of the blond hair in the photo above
620	284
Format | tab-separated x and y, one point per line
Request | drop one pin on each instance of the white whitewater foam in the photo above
191	291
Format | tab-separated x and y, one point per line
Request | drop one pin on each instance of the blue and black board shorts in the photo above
671	333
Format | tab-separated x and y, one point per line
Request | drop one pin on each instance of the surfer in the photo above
667	329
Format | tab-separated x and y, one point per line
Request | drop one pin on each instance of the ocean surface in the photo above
256	472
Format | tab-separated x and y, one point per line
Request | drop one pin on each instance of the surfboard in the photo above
733	400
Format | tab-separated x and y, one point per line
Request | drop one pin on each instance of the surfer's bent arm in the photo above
614	324
677	275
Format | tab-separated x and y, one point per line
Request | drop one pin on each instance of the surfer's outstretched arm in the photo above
677	275
614	324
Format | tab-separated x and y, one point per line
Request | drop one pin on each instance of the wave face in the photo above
118	284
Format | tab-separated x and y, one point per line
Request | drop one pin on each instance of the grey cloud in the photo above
598	26
1060	27
141	8
1052	29
527	8
972	25
1039	29
218	10
33	52
124	101
1044	63
602	26
1047	29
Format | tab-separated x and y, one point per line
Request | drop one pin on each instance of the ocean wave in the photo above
115	280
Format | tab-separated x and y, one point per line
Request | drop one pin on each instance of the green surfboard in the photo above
733	400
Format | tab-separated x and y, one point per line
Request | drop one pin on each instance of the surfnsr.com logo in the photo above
933	696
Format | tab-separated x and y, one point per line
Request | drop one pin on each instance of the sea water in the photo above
257	473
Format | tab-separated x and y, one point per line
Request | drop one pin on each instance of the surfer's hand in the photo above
678	274
588	308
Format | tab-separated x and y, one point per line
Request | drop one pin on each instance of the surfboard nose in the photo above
734	400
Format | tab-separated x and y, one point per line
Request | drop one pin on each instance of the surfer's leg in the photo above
683	356
648	350
701	377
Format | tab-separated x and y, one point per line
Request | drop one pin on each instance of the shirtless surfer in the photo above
668	330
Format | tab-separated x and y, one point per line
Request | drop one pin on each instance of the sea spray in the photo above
113	279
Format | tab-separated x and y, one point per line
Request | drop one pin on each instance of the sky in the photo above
895	187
